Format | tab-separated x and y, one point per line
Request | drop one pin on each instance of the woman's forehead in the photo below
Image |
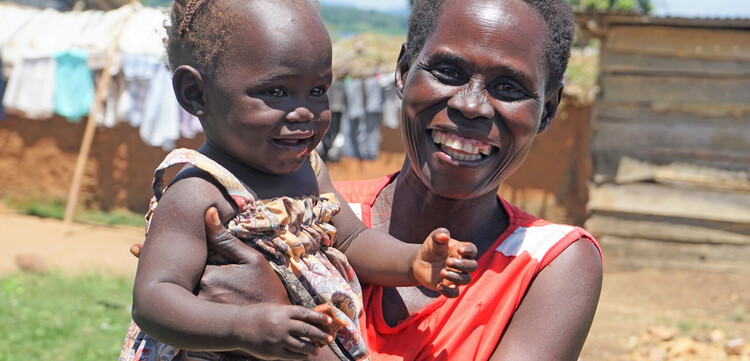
506	29
512	14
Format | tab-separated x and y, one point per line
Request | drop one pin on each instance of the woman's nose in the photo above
472	102
300	114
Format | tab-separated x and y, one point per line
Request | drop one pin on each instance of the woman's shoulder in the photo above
363	191
543	240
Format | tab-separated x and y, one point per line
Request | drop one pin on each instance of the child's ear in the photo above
551	103
190	89
402	70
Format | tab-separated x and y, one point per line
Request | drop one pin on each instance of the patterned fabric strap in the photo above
234	187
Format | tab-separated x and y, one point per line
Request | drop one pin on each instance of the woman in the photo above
479	79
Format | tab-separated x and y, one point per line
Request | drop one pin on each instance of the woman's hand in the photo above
443	263
245	280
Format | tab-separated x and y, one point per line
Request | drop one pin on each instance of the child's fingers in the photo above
454	278
441	235
466	249
298	349
311	324
450	291
462	265
309	332
310	316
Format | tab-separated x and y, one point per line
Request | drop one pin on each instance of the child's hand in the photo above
443	263
282	332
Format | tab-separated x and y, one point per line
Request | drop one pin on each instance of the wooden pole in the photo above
88	139
88	134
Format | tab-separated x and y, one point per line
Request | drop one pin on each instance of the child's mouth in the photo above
295	144
291	142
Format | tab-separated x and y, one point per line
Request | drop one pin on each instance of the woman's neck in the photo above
415	212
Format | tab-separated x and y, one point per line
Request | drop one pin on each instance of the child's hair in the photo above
199	29
197	34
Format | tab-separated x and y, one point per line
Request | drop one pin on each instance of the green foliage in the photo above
342	21
55	208
738	314
639	6
55	318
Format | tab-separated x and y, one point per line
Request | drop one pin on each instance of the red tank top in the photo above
468	327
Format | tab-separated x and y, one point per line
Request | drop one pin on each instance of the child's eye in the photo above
276	92
318	91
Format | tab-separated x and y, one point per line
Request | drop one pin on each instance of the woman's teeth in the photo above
461	148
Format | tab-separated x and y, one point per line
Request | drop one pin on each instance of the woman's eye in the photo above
318	91
447	73
510	91
277	92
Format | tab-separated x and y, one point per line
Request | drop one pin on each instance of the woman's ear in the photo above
551	103
402	70
190	89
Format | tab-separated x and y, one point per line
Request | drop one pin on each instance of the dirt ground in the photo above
690	302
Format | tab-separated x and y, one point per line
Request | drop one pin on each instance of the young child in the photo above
256	72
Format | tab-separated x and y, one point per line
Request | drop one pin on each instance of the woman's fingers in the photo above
135	249
226	244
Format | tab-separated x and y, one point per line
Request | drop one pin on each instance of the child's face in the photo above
269	107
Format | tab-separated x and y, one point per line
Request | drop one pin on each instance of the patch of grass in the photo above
738	314
56	318
119	217
686	325
56	209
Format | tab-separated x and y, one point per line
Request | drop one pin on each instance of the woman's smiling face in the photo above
475	96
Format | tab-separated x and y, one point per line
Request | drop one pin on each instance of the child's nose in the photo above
300	114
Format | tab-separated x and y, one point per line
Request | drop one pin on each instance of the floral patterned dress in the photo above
295	235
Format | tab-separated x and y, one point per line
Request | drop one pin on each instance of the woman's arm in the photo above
555	315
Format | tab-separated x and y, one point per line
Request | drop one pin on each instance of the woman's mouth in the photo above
460	148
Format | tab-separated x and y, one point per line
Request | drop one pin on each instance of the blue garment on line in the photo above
74	85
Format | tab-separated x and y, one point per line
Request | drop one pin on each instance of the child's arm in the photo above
170	265
440	262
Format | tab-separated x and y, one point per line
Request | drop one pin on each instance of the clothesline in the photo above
54	60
